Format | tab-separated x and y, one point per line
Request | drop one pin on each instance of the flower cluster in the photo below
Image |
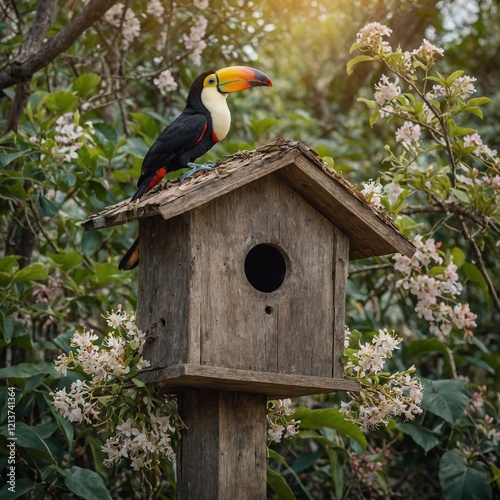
461	88
383	395
126	21
278	424
371	36
386	91
436	288
155	8
141	442
427	51
165	82
480	149
373	191
140	421
408	135
69	137
195	42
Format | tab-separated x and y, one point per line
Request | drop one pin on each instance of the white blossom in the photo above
408	135
155	8
195	41
372	35
165	82
427	50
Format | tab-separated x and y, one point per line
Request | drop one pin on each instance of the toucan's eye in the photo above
211	80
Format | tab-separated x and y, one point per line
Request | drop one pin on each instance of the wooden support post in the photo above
223	453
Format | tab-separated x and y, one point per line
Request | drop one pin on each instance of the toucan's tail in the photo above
131	258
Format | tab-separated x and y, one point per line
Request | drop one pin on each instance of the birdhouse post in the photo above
242	283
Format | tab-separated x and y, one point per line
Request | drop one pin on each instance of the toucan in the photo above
204	122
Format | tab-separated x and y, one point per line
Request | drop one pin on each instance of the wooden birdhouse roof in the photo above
371	232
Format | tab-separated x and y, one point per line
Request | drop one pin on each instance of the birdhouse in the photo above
243	272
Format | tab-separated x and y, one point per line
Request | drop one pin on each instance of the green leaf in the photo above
331	418
34	272
474	110
86	483
478	101
454	76
425	438
22	488
374	117
278	484
6	158
460	482
9	264
68	260
423	346
305	461
461	196
33	438
27	370
47	207
61	102
85	84
138	383
6	327
473	274
146	126
458	256
356	60
445	398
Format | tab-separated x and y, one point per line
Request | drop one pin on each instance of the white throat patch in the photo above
216	104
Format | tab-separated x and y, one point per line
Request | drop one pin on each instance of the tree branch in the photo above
479	262
22	70
32	43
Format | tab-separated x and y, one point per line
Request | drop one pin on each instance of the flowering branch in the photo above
454	186
139	420
383	395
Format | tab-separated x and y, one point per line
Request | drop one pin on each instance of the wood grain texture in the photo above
223	448
164	287
369	235
289	330
340	272
272	385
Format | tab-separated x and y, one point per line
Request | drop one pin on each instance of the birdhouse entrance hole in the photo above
265	268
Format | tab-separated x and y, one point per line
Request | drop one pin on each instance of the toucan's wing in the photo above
164	155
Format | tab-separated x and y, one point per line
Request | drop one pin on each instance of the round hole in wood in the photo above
268	309
265	268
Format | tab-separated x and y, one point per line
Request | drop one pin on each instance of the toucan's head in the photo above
236	78
226	80
209	90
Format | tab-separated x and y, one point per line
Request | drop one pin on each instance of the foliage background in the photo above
55	278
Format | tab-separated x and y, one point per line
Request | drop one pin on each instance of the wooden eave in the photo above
371	232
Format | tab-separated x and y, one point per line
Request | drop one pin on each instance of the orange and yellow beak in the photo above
237	78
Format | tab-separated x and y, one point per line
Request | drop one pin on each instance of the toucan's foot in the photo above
195	167
134	205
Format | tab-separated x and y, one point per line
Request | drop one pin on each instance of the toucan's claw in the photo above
195	167
134	205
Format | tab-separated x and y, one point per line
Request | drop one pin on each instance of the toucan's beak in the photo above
236	78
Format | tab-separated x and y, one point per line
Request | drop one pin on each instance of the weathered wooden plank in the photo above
164	288
271	384
223	448
369	234
305	315
235	330
339	278
180	198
